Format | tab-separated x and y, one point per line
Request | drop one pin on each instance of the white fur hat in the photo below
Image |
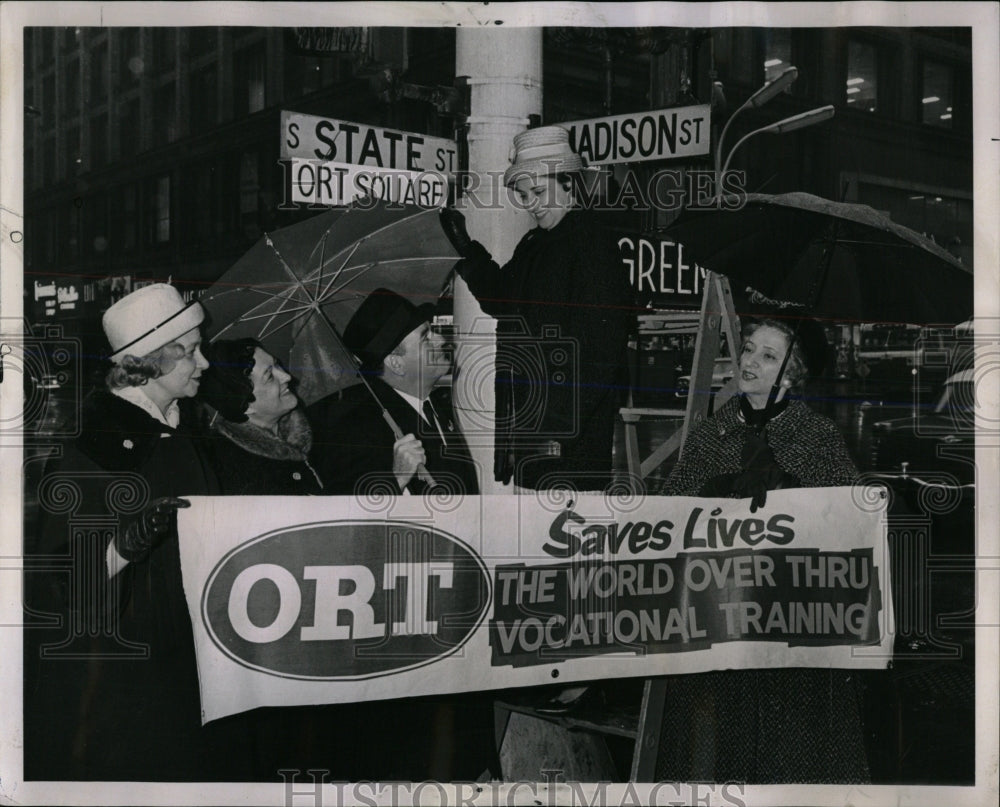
147	319
541	152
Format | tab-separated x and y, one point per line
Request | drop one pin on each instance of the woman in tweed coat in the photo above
774	725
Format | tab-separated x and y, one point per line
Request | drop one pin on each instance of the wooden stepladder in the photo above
530	741
718	316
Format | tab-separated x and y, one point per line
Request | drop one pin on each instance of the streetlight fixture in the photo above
759	98
782	126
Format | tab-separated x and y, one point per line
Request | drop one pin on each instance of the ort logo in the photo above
345	600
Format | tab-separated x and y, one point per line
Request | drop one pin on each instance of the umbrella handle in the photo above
422	473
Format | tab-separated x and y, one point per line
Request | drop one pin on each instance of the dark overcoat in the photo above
564	307
111	687
352	443
775	725
416	738
251	461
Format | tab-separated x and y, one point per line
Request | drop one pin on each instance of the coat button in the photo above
296	476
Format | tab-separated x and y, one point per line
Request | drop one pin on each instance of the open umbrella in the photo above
297	287
827	259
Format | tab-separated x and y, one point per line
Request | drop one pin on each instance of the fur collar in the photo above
293	441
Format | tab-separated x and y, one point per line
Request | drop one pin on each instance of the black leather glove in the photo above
760	474
155	522
754	485
453	224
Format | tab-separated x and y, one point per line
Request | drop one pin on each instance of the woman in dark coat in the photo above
258	441
564	305
255	434
774	725
120	699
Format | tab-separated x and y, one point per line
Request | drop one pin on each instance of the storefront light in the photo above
930	99
851	82
853	90
946	116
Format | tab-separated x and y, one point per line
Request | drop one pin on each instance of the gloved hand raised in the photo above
761	473
453	224
155	522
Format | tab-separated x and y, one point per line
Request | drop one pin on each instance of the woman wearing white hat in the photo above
120	717
564	305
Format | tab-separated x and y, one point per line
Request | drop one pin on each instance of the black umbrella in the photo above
827	259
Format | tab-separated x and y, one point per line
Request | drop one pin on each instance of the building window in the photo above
49	161
129	217
159	210
130	64
164	49
49	239
71	88
937	94
777	53
71	235
248	79
99	74
130	128
48	46
29	53
862	77
71	38
31	112
202	41
165	115
95	228
74	159
49	101
98	141
250	195
30	176
205	218
306	74
204	98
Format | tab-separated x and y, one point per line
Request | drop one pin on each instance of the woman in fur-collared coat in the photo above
258	443
256	437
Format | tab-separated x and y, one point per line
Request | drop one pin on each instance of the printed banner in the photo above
299	600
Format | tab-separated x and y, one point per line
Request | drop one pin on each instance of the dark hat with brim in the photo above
381	322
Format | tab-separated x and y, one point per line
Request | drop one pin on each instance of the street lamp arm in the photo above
759	98
782	126
722	138
801	120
